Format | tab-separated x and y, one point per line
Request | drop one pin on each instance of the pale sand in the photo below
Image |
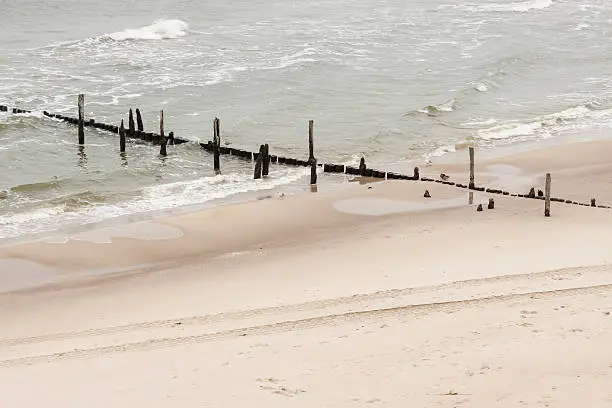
351	297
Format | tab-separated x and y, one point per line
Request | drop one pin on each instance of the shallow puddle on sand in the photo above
383	206
18	274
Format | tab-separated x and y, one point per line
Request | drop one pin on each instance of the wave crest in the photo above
522	7
159	30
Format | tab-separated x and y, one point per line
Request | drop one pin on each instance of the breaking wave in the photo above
159	30
434	110
546	126
520	6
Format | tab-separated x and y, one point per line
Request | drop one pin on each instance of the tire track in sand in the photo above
557	274
303	324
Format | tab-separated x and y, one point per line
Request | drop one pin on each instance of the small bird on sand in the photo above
444	177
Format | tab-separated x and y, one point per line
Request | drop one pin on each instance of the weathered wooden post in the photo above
311	157
161	123
265	161
217	144
532	193
471	185
131	125
162	149
491	204
258	163
362	167
81	119
416	175
547	196
122	138
139	120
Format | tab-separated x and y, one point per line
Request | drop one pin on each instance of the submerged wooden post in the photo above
265	161
81	118
131	125
471	185
547	196
311	157
217	144
122	138
258	163
162	149
139	120
362	167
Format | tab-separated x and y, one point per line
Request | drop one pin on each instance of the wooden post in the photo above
311	157
258	163
122	138
171	138
131	125
81	119
471	185
362	167
139	120
491	204
162	149
416	175
547	196
266	161
217	144
161	122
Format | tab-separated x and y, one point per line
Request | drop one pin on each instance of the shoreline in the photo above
49	254
451	160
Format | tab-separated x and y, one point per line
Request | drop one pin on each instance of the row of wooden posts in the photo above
263	158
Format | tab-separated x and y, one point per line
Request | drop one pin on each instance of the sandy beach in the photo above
368	294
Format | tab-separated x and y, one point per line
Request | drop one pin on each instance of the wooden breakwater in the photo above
263	158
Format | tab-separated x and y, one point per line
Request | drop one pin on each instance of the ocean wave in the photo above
35	187
159	30
76	201
435	110
545	126
522	7
481	87
86	208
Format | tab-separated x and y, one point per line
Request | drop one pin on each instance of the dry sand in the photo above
367	295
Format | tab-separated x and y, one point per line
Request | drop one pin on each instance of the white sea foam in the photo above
448	106
544	126
159	30
520	6
159	197
509	130
523	6
581	26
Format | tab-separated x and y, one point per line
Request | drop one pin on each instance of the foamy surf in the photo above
545	126
160	197
159	30
522	7
433	110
